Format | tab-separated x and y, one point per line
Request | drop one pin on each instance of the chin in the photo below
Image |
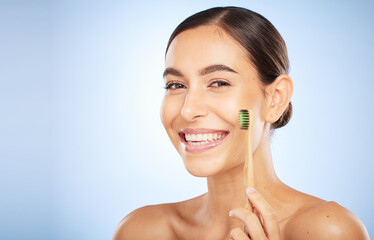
202	168
199	172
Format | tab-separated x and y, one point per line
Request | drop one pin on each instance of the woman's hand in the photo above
260	224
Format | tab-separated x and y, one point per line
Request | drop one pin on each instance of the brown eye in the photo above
174	86
219	84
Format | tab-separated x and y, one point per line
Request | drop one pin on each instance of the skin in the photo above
201	102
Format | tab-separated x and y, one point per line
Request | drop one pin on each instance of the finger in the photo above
255	211
238	234
269	219
251	222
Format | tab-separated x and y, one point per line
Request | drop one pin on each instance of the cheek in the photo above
228	107
170	109
163	112
258	123
249	98
167	112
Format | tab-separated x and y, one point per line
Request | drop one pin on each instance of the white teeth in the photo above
198	143
198	139
215	136
192	137
205	137
210	137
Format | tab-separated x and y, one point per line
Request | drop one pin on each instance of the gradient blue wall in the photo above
81	141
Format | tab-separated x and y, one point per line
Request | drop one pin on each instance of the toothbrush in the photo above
246	123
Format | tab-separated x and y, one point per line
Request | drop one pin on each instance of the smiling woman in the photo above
219	61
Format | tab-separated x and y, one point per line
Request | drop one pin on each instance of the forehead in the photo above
203	46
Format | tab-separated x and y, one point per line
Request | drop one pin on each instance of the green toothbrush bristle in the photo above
244	119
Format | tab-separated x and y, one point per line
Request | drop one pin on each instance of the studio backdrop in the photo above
81	140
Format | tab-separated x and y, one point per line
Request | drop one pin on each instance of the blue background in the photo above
81	141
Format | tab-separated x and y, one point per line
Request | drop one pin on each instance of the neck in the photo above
226	190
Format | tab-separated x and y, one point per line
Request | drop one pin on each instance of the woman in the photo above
219	61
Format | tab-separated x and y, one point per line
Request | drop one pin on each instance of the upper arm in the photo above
329	221
144	223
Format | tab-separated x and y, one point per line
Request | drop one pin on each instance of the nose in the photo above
194	106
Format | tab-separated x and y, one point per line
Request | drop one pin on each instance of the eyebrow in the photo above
205	71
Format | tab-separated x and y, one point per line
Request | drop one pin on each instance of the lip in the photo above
201	130
203	147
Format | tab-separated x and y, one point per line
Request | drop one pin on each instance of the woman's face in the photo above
200	109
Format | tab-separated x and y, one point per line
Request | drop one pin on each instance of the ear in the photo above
279	96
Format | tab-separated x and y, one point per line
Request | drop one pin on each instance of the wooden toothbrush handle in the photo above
248	168
248	165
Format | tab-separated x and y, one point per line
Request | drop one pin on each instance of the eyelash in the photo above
169	85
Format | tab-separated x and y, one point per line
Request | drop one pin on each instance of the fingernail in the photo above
231	213
250	190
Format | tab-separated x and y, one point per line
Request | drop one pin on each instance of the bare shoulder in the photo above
148	222
327	220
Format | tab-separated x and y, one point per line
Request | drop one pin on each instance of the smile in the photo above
201	139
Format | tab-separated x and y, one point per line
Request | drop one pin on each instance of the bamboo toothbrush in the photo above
246	123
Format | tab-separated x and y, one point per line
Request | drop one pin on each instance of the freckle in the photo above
307	232
327	216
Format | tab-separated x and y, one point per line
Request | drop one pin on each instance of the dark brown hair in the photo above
265	47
